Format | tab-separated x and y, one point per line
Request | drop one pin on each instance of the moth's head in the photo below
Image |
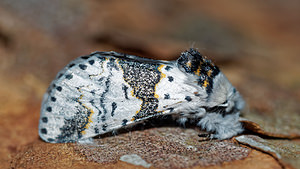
224	97
219	91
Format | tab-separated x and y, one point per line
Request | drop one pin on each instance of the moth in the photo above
106	91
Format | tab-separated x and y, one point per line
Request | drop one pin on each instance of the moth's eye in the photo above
224	104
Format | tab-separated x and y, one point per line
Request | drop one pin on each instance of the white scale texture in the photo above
92	95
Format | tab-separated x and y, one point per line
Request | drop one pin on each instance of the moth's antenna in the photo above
192	44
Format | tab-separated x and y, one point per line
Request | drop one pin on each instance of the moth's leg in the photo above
192	116
200	113
114	132
205	135
182	119
223	126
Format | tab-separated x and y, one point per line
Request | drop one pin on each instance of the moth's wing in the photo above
91	97
61	111
178	92
112	109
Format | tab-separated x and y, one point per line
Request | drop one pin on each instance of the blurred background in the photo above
255	43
